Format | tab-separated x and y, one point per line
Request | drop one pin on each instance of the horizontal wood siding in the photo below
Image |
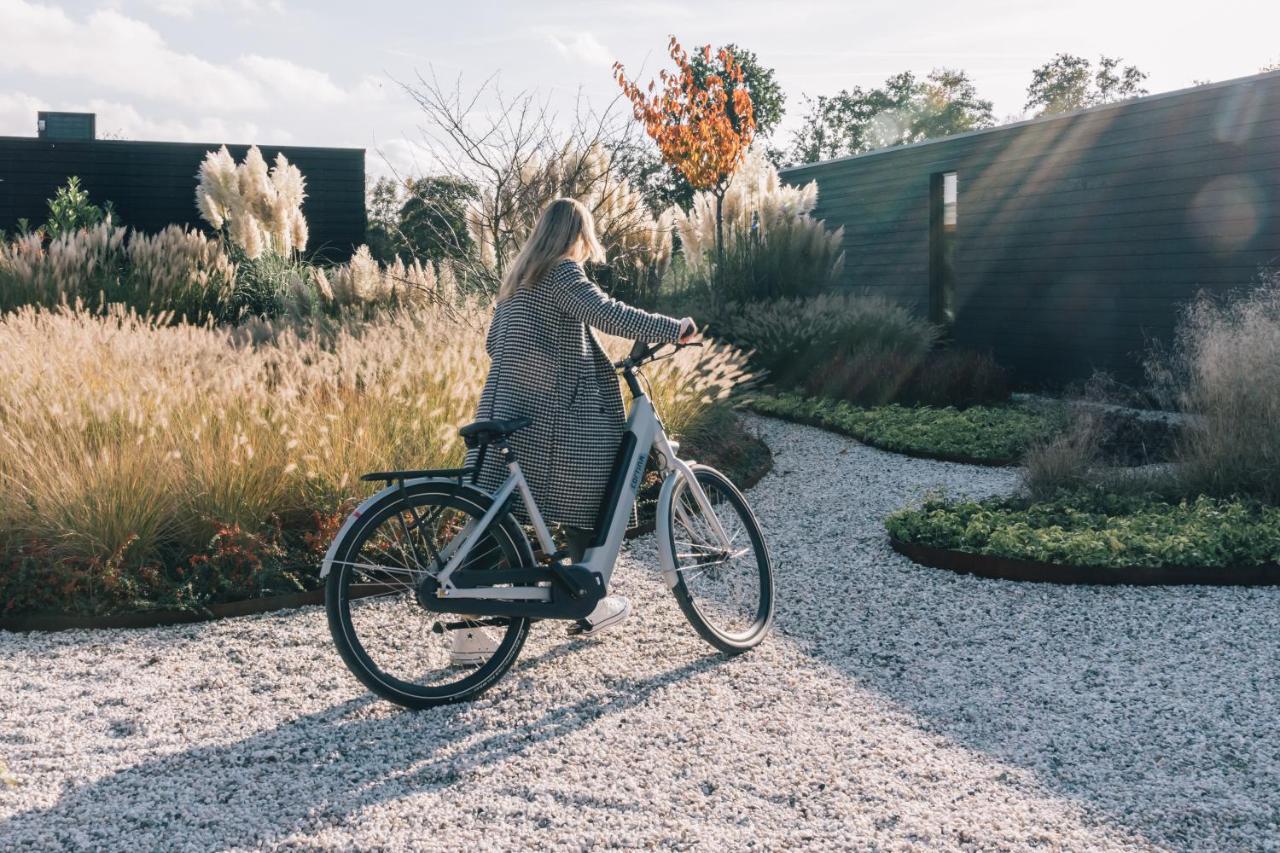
1080	237
152	184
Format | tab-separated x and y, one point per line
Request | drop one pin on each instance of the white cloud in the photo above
116	120
18	113
120	53
124	121
109	50
292	81
373	89
189	8
582	46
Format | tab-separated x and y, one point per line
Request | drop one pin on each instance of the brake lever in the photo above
650	353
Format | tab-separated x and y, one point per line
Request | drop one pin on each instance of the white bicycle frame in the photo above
644	424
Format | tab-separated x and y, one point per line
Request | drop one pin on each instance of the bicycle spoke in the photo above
715	558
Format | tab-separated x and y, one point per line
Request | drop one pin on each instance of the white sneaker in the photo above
471	647
609	613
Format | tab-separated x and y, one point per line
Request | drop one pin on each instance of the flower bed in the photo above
980	435
1095	537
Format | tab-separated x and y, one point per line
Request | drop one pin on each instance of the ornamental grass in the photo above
134	450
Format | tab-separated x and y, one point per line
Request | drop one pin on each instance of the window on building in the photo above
944	191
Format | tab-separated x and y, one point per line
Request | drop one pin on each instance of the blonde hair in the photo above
564	224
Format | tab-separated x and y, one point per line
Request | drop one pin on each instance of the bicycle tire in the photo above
693	604
507	537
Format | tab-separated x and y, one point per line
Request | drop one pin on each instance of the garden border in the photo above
253	606
913	454
1034	571
231	609
157	618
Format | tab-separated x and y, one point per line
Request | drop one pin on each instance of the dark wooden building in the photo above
152	184
1063	244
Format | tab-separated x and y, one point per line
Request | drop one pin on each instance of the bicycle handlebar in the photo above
643	353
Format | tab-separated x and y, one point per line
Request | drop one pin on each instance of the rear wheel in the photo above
725	590
397	648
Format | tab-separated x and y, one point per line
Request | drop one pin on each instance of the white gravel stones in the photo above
895	707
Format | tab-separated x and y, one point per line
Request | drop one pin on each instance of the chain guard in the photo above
575	592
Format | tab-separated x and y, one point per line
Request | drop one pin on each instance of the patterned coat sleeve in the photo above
577	296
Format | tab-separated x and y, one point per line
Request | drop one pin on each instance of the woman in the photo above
546	364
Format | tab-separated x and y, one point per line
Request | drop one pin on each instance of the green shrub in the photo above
70	211
995	435
957	377
860	348
856	347
266	286
1094	528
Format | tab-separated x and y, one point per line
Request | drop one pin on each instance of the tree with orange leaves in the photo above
694	125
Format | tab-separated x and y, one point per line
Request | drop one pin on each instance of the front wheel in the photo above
723	586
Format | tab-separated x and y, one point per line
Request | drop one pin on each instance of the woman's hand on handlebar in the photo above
688	330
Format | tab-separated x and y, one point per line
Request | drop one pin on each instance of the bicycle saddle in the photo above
484	432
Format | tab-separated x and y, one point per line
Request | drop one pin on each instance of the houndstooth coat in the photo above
546	364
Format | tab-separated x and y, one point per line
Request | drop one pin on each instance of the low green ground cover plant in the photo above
996	435
1216	506
1096	528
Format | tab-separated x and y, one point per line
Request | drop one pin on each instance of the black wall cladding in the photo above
1081	236
153	184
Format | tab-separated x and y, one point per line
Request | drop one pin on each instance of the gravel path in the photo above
895	707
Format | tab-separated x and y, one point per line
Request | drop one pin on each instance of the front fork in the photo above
679	470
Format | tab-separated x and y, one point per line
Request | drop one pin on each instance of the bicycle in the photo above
433	553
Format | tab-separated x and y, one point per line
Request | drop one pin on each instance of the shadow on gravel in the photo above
1149	706
314	771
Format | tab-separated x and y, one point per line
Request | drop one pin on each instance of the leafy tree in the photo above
702	130
433	218
949	103
1069	83
663	185
903	111
423	218
767	98
382	207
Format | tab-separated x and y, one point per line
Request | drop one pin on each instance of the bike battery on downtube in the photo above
613	491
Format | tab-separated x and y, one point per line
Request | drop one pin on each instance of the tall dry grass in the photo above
773	246
1227	358
132	441
637	244
76	265
121	434
189	276
259	207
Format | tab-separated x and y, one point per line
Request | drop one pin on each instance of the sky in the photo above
288	73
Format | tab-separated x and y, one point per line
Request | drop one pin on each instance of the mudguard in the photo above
391	489
662	529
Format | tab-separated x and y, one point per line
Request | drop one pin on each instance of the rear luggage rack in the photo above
392	476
